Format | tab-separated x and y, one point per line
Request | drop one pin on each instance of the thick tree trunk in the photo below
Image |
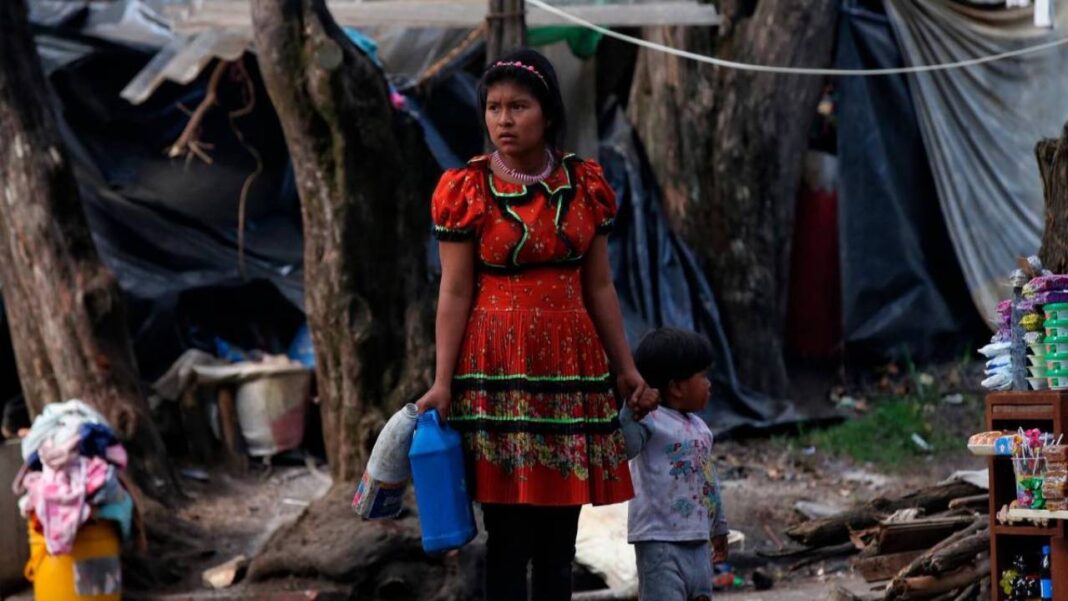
67	317
366	219
727	148
1052	156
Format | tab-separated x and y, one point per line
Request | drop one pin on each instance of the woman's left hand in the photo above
640	396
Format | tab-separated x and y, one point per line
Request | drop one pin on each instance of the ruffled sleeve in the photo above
601	196
457	206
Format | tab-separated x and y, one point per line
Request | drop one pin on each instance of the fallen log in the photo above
835	529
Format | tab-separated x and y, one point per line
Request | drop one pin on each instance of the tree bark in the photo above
506	28
67	316
364	200
1052	156
727	148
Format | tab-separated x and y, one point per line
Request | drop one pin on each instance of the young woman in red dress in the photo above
530	343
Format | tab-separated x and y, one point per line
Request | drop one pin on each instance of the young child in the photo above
675	520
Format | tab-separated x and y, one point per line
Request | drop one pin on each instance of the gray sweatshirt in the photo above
676	490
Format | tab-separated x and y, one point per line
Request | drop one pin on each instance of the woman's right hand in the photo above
438	397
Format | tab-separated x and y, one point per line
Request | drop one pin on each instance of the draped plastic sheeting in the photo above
980	125
902	289
660	284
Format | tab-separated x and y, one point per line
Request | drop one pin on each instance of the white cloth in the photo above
59	422
676	490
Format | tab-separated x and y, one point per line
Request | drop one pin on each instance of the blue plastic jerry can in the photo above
445	514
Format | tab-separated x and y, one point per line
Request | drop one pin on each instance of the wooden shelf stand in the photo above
1048	411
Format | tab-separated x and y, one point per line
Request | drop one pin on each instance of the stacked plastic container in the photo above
1055	345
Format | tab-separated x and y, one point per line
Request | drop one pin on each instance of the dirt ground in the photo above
761	485
762	480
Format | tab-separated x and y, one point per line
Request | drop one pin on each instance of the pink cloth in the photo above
116	454
57	497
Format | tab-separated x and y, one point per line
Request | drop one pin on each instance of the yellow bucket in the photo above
92	571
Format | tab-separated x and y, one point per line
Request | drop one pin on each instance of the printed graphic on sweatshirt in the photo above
689	461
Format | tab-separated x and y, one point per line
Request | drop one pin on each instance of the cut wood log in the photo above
959	553
919	566
925	587
835	529
968	593
884	567
918	534
978	502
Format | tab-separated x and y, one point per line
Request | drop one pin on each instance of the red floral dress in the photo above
532	393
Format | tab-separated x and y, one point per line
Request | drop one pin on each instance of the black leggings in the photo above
543	537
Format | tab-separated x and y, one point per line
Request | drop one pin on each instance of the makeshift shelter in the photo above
931	158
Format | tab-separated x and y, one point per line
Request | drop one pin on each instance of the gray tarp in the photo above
980	125
904	293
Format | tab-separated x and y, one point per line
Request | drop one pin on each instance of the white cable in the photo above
791	70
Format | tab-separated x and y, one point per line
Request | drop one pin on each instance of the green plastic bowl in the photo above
1057	362
1056	328
1056	345
1056	311
1058	380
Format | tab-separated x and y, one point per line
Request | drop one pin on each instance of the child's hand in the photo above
719	549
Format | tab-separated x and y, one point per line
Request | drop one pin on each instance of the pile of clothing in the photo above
70	474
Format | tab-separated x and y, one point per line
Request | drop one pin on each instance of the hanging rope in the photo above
792	70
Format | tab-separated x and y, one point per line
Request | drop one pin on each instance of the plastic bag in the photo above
380	493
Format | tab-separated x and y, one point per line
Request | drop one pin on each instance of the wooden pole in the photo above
506	27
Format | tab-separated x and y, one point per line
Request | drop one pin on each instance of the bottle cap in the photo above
1045	549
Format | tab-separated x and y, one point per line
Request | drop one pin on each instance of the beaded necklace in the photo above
526	179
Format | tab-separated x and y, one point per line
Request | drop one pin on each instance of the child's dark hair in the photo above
667	354
534	72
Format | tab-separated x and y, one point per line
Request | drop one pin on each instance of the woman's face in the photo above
514	119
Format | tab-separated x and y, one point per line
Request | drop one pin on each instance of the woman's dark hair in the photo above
541	83
667	354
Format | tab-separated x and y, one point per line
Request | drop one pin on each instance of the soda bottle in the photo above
1046	576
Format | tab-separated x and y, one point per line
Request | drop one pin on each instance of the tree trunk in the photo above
68	323
730	186
506	28
364	200
1052	156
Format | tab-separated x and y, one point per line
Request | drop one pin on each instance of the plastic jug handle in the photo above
430	416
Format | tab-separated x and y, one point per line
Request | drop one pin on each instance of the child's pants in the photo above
674	571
